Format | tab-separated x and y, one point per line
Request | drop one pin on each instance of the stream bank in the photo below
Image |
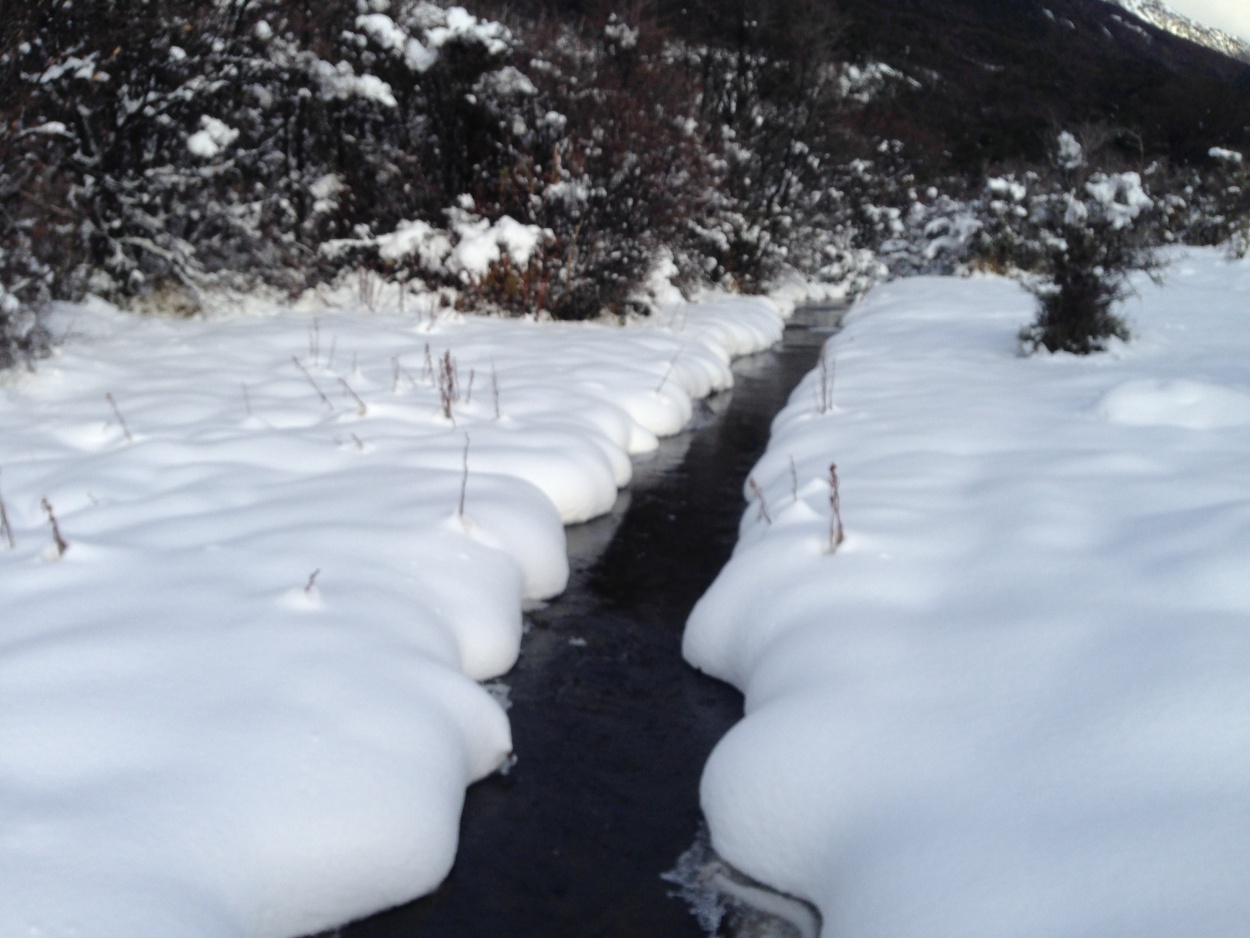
611	727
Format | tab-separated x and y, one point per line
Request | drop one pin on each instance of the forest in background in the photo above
548	157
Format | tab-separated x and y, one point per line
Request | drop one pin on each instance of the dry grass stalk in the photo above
828	366
61	546
120	419
836	532
468	393
314	341
321	394
464	476
427	366
361	407
494	388
408	374
369	288
5	528
794	480
448	384
668	372
312	582
759	496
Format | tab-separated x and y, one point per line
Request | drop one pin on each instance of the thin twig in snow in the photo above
427	366
464	477
5	527
361	407
407	374
61	546
321	394
448	384
759	495
312	582
671	365
836	533
494	388
828	365
120	419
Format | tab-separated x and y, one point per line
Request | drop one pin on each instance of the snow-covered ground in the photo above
1016	699
244	701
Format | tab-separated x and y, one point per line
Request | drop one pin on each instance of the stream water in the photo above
611	727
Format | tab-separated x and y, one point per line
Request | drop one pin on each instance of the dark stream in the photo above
610	725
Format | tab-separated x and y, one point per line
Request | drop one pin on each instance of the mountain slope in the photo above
1000	76
1164	17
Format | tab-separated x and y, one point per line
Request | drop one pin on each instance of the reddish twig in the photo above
61	546
836	533
120	419
759	495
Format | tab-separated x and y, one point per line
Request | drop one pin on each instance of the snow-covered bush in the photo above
598	154
561	160
25	279
23	336
1228	201
1085	231
770	102
909	226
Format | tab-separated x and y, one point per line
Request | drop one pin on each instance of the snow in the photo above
382	29
481	243
1121	196
340	81
505	83
1071	155
478	244
417	237
620	33
1014	701
456	24
244	701
212	137
1225	156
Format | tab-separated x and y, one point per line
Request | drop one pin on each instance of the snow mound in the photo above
243	700
1013	701
1193	405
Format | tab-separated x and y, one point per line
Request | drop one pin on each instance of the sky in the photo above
1232	16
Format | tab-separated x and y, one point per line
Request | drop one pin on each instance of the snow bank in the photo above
243	702
1014	701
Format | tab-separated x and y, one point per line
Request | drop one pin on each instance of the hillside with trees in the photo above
548	157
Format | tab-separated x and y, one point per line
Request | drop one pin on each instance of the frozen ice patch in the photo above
725	901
